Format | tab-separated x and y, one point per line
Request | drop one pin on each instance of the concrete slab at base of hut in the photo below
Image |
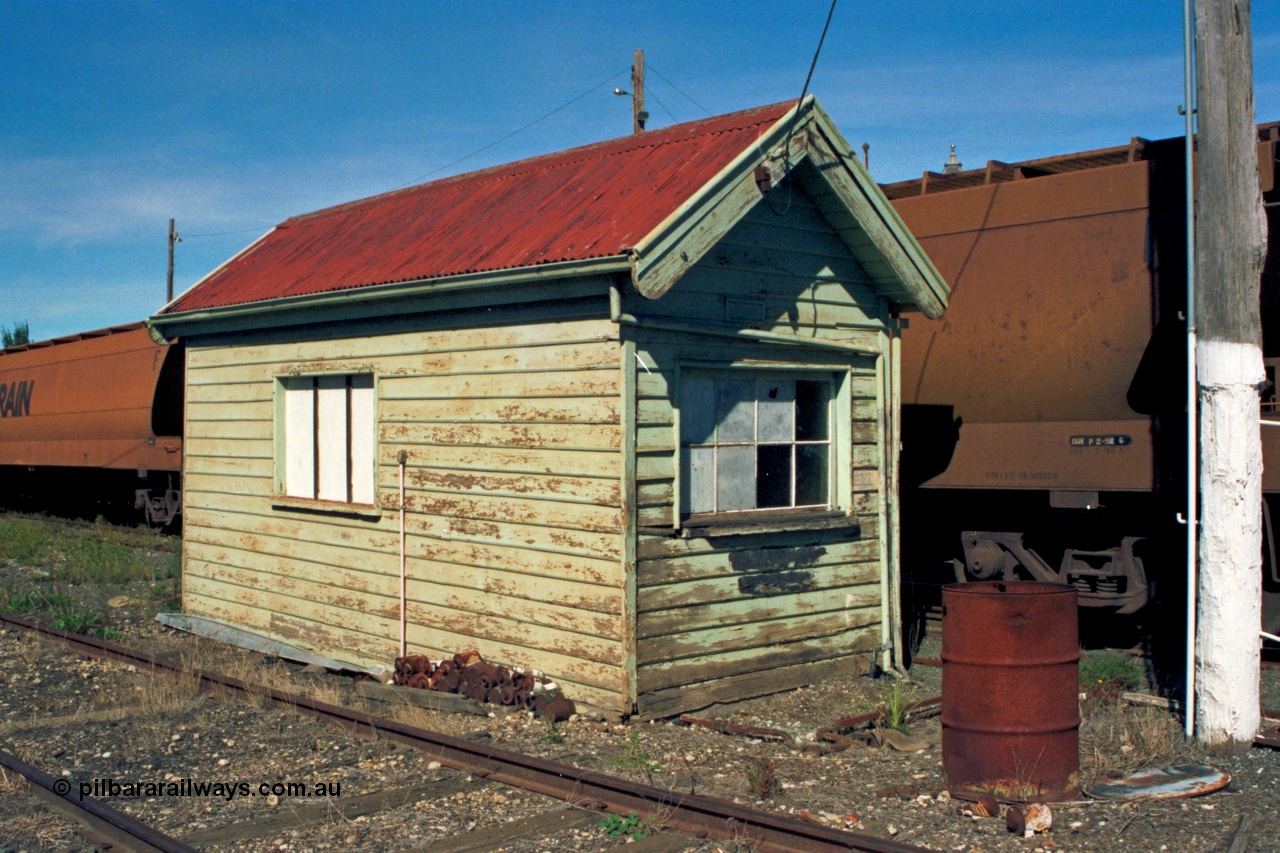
642	396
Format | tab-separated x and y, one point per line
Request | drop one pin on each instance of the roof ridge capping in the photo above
765	115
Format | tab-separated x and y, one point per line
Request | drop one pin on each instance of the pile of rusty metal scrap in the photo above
469	675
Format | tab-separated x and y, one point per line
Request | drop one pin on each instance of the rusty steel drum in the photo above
1010	682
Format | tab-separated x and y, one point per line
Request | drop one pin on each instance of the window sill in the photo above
319	507
781	521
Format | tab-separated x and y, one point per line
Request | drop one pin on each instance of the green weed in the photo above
23	541
552	736
616	826
32	601
105	632
23	602
634	758
897	701
75	621
162	597
93	560
1109	671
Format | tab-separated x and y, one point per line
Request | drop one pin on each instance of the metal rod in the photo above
1188	80
401	458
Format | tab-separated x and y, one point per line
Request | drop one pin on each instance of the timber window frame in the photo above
326	440
760	444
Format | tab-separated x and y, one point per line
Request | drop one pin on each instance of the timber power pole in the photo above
173	238
1230	249
638	115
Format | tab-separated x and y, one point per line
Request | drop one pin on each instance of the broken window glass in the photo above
762	442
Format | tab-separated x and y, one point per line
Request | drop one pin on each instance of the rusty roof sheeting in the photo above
589	202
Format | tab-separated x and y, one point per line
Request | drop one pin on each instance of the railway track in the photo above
693	818
101	821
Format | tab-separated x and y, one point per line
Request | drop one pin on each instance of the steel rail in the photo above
100	820
693	814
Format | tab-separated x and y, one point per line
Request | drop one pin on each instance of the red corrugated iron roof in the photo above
588	202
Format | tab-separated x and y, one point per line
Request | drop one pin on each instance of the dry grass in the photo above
49	830
761	778
11	783
1116	739
454	725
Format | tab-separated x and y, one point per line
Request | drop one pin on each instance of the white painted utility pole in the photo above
1231	234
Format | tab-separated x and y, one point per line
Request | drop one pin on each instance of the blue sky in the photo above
230	116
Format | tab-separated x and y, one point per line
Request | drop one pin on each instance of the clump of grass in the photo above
23	541
616	826
33	601
93	560
1109	672
11	783
897	701
551	736
76	621
21	602
634	758
105	632
761	779
163	596
892	702
1118	739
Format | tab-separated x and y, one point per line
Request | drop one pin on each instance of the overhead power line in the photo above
664	106
465	157
663	78
786	146
517	131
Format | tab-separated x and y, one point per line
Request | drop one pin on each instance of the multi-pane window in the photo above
754	442
329	437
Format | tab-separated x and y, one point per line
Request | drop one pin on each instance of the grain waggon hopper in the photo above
1043	417
93	421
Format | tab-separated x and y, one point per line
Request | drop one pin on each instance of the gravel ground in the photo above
130	727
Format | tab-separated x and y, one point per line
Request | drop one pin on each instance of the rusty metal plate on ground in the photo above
1162	783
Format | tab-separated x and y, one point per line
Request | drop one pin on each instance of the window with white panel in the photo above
754	441
328	429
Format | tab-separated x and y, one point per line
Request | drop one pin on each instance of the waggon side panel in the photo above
1060	267
731	616
511	422
86	402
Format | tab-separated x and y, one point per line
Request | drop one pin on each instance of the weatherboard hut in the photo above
632	404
